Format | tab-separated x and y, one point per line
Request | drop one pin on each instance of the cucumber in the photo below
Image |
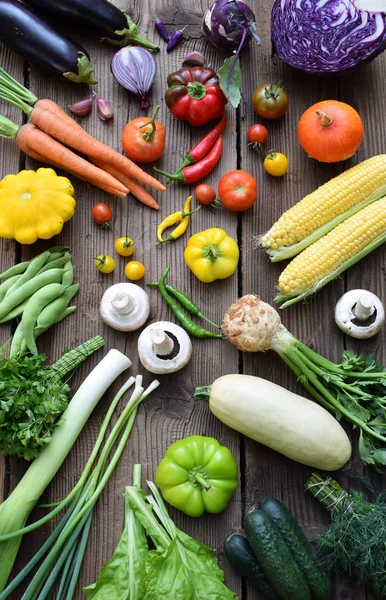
241	557
300	547
274	556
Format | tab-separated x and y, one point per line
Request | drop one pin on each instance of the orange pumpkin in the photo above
330	131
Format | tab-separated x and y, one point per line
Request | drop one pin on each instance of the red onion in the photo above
135	68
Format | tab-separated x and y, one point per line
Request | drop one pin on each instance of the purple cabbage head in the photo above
226	21
326	36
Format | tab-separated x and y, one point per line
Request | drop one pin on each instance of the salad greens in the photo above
179	568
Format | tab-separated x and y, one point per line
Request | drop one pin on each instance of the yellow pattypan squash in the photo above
35	204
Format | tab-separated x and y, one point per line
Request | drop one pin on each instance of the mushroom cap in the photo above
156	364
128	321
347	321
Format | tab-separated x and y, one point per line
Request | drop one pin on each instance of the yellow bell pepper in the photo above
211	254
35	204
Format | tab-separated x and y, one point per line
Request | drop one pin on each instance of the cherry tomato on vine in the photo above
270	101
102	215
276	163
237	190
134	270
205	194
257	135
124	246
105	263
143	139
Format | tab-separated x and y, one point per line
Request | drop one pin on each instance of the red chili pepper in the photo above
200	169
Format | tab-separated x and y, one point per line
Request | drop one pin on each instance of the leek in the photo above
15	510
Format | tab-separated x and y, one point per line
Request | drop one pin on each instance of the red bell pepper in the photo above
194	95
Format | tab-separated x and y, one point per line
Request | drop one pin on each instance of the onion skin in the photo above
320	40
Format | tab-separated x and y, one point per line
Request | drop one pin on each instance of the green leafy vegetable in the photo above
230	80
180	567
354	543
33	397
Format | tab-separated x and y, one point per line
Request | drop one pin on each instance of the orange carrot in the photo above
39	145
135	188
64	131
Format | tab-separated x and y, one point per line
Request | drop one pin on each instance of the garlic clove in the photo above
104	109
81	108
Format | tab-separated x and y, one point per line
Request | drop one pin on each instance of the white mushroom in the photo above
125	306
155	346
359	313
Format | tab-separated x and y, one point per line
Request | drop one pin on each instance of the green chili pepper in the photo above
185	301
186	322
197	474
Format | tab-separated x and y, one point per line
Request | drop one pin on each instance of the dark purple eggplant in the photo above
98	16
37	41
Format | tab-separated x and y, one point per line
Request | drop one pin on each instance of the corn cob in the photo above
325	208
327	258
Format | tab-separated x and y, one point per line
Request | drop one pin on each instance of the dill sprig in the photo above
354	543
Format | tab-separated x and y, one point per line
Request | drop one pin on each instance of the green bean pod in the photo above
15	312
55	264
17	341
32	270
40	330
34	307
68	273
57	306
15	270
28	289
4	287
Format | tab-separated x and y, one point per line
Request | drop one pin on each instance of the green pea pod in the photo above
4	287
34	307
197	474
15	312
28	289
32	270
68	273
57	306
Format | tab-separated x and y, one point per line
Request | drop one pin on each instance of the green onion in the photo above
15	509
68	541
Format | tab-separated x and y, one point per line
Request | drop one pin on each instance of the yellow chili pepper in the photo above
182	216
211	254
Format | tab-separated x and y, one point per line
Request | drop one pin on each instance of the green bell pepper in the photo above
197	474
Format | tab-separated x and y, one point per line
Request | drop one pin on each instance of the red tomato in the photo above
102	214
143	139
205	194
270	101
237	190
257	134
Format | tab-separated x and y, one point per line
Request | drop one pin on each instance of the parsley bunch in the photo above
33	397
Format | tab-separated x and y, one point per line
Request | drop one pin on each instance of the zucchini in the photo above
240	555
274	556
300	547
271	415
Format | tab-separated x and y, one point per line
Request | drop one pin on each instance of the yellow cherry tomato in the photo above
276	163
105	263
124	246
134	270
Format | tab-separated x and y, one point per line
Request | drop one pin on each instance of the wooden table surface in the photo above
171	413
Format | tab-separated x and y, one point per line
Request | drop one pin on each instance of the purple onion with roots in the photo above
135	69
328	37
